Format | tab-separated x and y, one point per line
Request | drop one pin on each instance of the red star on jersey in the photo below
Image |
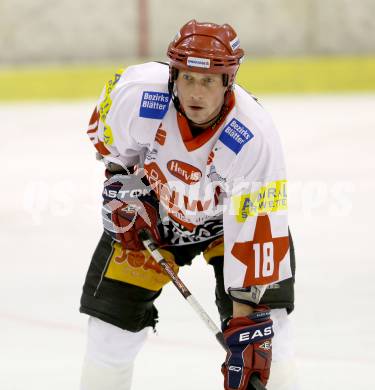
263	255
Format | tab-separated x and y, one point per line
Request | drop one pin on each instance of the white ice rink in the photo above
50	224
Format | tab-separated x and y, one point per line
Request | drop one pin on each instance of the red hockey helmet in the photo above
206	48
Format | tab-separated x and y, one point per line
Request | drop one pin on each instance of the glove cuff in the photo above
261	313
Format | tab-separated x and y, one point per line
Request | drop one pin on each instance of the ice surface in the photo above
50	224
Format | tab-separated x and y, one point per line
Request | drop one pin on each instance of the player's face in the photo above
201	95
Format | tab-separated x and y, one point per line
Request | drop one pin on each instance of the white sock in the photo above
110	355
96	376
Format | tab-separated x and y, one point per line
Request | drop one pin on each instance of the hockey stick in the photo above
153	249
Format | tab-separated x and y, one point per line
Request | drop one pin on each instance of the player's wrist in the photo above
241	309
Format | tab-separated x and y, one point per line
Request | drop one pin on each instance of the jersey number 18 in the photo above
264	263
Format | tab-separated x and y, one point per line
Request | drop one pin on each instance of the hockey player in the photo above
194	159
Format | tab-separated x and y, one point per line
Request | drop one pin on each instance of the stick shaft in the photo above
152	248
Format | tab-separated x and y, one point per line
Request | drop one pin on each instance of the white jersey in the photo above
229	180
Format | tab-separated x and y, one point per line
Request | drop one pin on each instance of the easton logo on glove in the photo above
266	346
256	335
122	192
129	207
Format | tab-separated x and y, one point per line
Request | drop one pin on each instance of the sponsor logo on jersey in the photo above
183	171
106	105
235	135
198	62
154	105
267	199
235	43
160	136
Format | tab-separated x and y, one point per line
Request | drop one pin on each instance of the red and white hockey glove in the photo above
129	206
249	349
